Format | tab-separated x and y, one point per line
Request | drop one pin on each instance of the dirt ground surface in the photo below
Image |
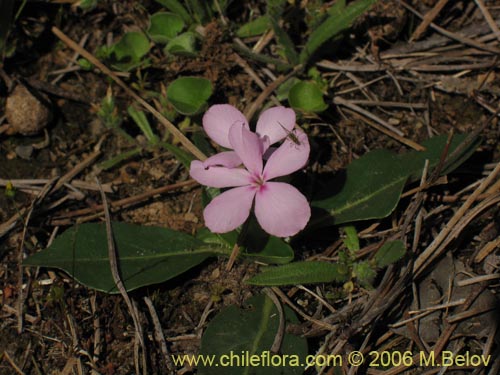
442	80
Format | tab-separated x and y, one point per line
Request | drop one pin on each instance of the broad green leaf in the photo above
435	147
307	97
251	331
373	184
128	52
390	252
164	26
300	273
182	45
226	240
275	251
146	255
133	45
334	25
272	250
371	190
255	27
142	122
189	94
176	7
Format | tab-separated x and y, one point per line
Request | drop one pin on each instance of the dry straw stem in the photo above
278	339
160	338
429	17
436	247
252	108
460	38
115	272
487	16
62	220
164	121
373	124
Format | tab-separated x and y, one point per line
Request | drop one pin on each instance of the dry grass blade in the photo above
459	38
429	17
278	339
12	363
125	202
252	108
487	16
113	262
367	118
430	252
160	338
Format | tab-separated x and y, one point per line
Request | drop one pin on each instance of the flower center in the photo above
258	180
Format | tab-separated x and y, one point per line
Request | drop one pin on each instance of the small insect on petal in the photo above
291	135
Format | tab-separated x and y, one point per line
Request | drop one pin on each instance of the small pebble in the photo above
26	114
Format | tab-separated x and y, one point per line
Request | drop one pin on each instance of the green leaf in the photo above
164	26
364	272
176	7
372	187
87	5
200	10
255	27
390	252
283	90
275	251
110	163
182	45
128	52
133	45
415	160
6	18
275	10
272	250
307	97
251	329
334	25
189	94
226	240
142	122
373	184
146	255
351	239
182	156
200	140
300	273
337	8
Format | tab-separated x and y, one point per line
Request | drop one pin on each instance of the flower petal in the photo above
229	159
219	177
248	146
229	210
289	157
281	209
272	121
218	120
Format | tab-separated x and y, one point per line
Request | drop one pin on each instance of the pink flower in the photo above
280	208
